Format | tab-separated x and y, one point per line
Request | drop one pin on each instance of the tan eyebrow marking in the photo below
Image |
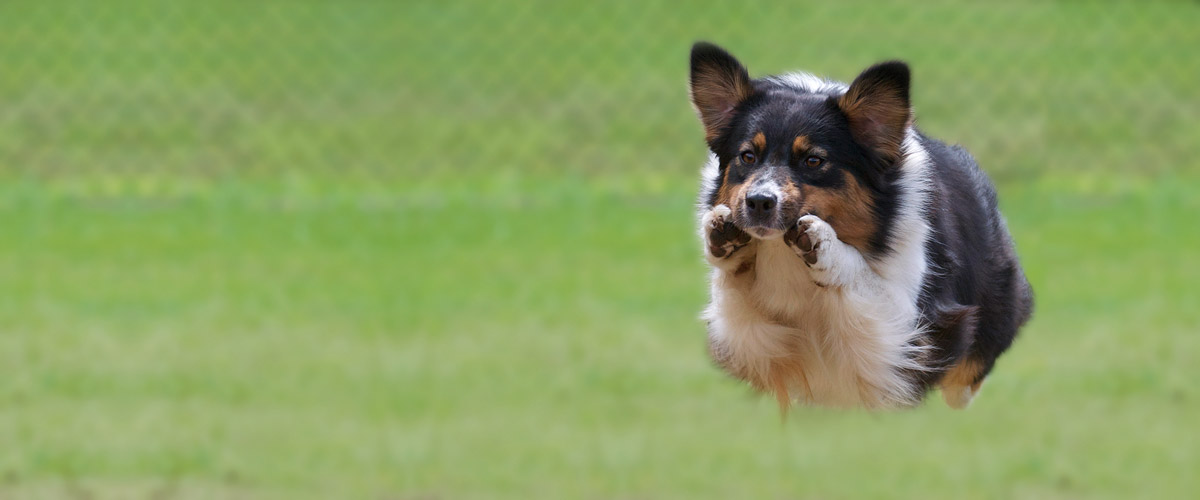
800	145
759	141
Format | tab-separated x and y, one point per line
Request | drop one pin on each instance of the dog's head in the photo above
795	145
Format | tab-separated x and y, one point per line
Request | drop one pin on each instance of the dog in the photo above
855	261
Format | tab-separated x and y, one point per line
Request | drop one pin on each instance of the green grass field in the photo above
423	251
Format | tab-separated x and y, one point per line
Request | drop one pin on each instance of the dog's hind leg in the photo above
961	383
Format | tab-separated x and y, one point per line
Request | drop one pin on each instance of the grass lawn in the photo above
418	251
546	347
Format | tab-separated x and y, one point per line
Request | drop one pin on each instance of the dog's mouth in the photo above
764	232
763	228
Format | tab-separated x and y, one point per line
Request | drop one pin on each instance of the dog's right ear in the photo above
718	84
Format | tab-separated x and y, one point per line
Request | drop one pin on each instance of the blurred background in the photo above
426	250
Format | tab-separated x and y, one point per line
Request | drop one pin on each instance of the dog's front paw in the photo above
721	236
814	241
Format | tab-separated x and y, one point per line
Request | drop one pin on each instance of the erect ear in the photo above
877	106
718	83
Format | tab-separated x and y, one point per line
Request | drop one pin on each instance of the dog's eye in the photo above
813	161
749	157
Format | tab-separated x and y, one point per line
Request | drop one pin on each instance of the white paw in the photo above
722	238
815	241
712	216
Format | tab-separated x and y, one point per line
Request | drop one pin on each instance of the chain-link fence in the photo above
157	98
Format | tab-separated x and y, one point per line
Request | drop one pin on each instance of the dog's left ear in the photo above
877	106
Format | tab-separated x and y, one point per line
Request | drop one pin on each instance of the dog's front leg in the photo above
877	326
726	247
831	262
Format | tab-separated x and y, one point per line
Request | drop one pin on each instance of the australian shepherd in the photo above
855	261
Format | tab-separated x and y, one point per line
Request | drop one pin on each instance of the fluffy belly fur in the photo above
774	327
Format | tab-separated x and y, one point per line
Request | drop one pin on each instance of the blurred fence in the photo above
158	98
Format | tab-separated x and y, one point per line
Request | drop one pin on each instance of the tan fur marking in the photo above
963	374
759	141
847	209
791	191
800	145
959	384
725	193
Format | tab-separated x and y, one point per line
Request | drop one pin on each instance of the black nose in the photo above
760	204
